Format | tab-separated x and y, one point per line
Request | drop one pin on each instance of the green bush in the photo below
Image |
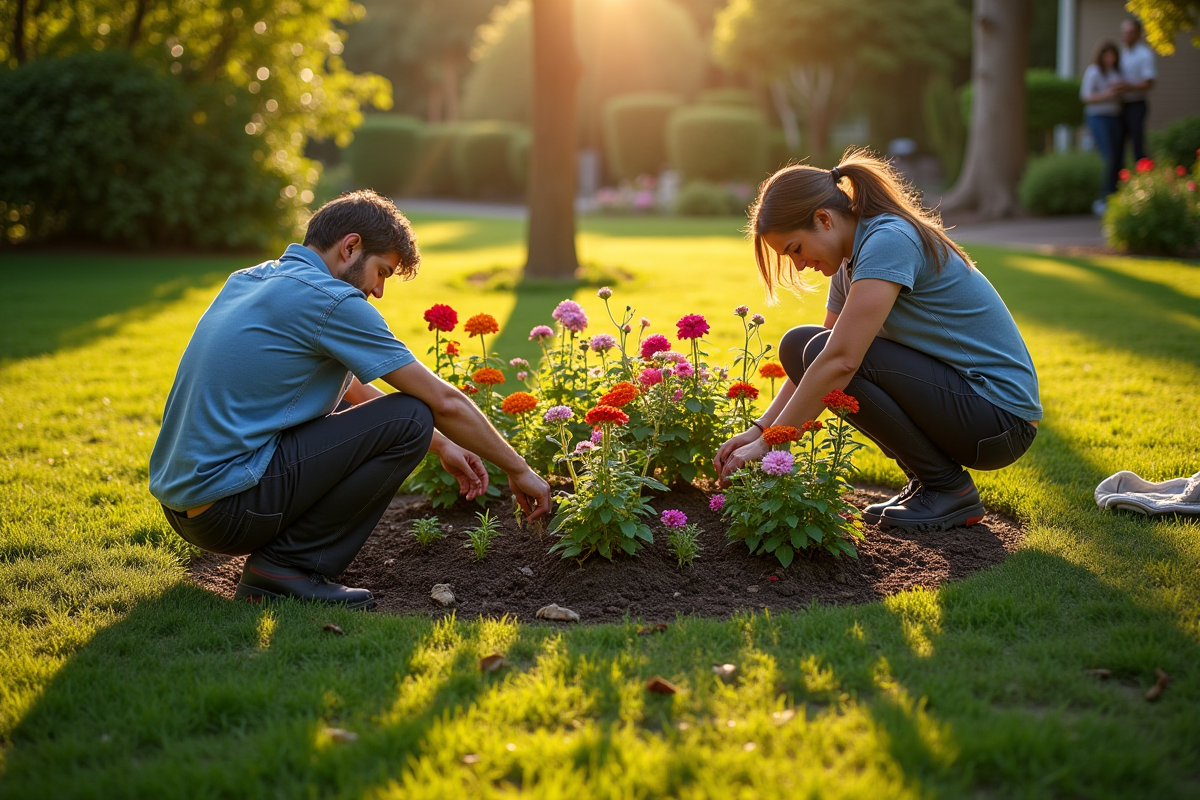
1154	213
1178	143
103	146
481	159
945	130
385	153
741	98
626	47
718	143
435	174
778	152
699	198
1049	101
635	132
1062	183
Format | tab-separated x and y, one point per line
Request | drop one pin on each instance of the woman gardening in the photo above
913	331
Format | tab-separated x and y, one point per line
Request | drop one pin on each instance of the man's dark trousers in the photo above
325	490
1133	125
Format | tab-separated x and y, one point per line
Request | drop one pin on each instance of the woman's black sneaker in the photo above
266	581
930	510
873	512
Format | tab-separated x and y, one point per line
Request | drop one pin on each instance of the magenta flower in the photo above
655	343
778	462
759	319
674	518
741	311
678	395
571	316
558	414
684	370
693	326
604	292
603	342
650	377
716	502
541	332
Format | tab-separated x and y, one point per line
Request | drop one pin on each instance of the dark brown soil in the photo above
723	579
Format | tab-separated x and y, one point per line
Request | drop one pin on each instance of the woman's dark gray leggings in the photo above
918	410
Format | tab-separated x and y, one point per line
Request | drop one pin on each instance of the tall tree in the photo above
814	53
556	73
1166	19
996	140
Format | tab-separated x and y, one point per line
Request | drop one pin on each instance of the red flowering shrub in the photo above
441	317
840	403
603	414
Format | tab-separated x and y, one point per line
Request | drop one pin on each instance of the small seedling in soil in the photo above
427	530
684	544
481	536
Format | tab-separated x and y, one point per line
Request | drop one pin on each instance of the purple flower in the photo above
583	447
650	376
655	343
541	332
692	326
759	319
597	436
558	414
674	518
716	502
603	342
678	395
778	462
604	292
571	316
741	311
518	362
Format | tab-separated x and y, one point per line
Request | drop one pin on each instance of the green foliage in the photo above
1155	213
718	143
644	46
699	198
945	128
480	537
1178	143
635	132
427	530
435	173
684	544
728	96
1049	100
102	146
482	161
385	153
1061	183
440	486
779	154
1164	20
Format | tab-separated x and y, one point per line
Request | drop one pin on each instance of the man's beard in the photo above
355	272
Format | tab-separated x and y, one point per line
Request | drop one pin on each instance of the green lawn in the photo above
119	679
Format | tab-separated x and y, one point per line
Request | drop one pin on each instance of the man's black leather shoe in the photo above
262	580
873	512
940	510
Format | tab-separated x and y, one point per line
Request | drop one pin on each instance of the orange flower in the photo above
481	324
451	348
742	389
812	426
624	392
601	414
772	370
519	403
488	376
470	388
780	434
840	403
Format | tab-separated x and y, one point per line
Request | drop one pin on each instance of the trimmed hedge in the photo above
1065	183
1178	143
481	158
718	143
701	198
778	153
435	174
635	132
385	153
742	98
103	146
1049	101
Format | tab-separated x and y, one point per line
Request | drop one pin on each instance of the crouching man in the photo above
273	441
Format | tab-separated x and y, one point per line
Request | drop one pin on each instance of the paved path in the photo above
1049	233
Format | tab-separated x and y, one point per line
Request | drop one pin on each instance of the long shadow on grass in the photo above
103	293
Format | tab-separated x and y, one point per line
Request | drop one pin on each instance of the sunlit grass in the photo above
119	679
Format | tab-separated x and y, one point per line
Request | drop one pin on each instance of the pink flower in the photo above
571	316
678	395
655	344
741	311
541	332
627	328
603	342
716	502
583	447
778	462
674	518
558	414
645	322
597	436
693	326
650	377
684	370
759	319
604	292
518	362
522	375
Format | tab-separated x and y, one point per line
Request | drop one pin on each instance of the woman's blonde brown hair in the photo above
789	199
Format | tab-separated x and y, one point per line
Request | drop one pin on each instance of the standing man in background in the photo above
1137	67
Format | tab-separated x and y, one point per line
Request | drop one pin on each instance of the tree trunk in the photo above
135	28
996	142
556	73
19	32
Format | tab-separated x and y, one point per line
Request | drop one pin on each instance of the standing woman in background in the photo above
1100	90
914	331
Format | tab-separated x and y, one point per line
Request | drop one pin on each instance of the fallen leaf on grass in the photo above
1155	691
491	663
646	630
557	612
341	734
334	628
1102	674
659	685
726	672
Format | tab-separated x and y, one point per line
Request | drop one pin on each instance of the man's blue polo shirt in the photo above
276	348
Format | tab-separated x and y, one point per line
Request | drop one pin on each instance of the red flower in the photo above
742	389
1144	165
1123	174
619	395
451	348
840	403
772	370
1191	186
470	388
1180	171
519	403
601	414
772	578
812	426
780	434
441	317
489	376
481	324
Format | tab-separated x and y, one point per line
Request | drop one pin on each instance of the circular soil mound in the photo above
722	580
